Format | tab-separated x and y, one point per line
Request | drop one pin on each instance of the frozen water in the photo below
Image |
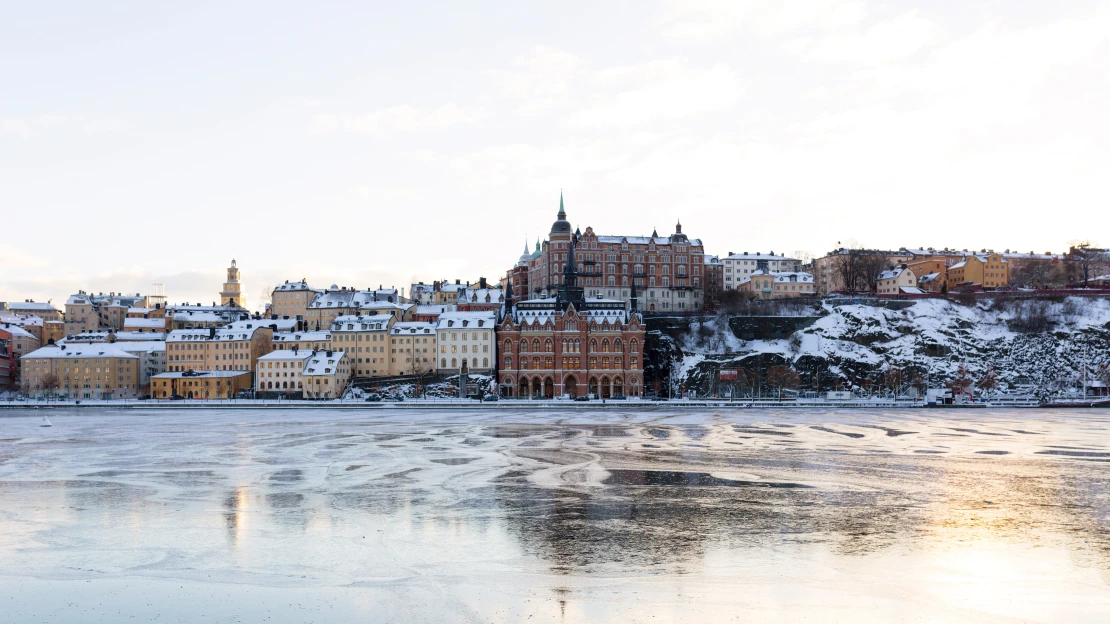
461	516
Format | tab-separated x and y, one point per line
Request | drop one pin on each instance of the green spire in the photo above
562	212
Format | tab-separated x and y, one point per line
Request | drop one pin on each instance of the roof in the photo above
140	310
144	323
121	336
360	322
293	286
95	349
79	299
24	320
335	297
911	290
468	320
149	346
893	273
435	308
217	334
412	327
283	325
323	364
30	305
287	354
305	336
708	259
644	240
928	278
783	277
17	331
479	295
201	373
759	256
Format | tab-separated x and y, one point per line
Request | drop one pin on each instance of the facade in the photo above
738	266
893	281
217	349
412	348
428	313
569	344
200	385
152	361
90	312
342	301
764	285
480	299
990	270
326	375
366	341
291	299
232	293
282	371
713	272
936	283
618	267
466	336
8	362
145	324
81	371
186	316
829	270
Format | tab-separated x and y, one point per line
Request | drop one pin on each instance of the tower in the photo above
231	294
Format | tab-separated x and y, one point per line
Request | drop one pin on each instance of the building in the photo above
428	313
326	375
421	293
282	372
713	272
20	342
777	285
412	348
107	335
232	293
466	336
81	371
145	324
217	349
45	311
8	362
291	299
81	314
738	266
152	361
570	344
988	271
186	316
90	312
854	270
481	299
892	281
342	301
303	340
936	283
200	385
366	341
617	267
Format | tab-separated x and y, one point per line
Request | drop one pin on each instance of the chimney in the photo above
211	332
481	282
329	352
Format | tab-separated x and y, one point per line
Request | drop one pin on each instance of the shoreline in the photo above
456	404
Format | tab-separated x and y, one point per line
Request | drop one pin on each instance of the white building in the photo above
738	266
282	371
466	335
326	375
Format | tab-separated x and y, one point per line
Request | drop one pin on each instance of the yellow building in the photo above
291	299
412	348
282	371
777	285
45	311
990	270
200	385
326	375
218	349
366	339
232	292
82	371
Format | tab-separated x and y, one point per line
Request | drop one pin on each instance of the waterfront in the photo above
476	516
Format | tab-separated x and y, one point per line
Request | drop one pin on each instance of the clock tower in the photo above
231	293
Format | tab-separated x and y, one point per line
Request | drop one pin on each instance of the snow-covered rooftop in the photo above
287	354
305	336
469	320
324	363
412	327
361	322
93	350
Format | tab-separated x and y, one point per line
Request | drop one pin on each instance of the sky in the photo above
360	144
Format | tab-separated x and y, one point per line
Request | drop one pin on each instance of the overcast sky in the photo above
381	143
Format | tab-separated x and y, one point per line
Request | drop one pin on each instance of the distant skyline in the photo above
387	143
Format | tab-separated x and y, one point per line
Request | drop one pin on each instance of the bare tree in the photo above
1088	261
51	383
962	381
1040	273
988	382
782	377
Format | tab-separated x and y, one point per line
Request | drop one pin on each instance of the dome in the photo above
561	225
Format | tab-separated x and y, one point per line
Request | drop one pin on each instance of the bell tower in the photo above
231	294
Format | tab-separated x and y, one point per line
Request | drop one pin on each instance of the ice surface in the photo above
464	516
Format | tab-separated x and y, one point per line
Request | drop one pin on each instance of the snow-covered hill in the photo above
1038	347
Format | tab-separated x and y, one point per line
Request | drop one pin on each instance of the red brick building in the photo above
570	344
664	271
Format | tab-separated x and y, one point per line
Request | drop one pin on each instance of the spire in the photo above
562	212
537	243
654	233
525	245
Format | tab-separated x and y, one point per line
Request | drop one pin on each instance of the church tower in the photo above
231	293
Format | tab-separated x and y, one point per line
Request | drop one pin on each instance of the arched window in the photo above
634	345
474	362
485	361
536	363
454	363
508	345
535	345
605	346
564	345
617	346
547	345
593	345
651	280
443	362
523	346
577	345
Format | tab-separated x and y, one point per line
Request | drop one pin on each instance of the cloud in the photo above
34	125
884	41
657	91
710	20
541	80
15	258
398	119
